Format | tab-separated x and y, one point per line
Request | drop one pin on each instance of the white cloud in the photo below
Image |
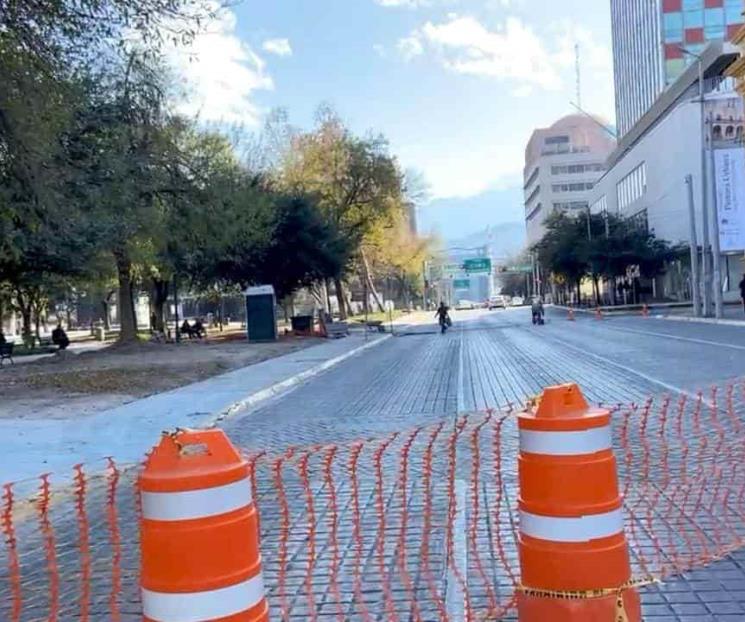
280	47
219	74
409	47
511	52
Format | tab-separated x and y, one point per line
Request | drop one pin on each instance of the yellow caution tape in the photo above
583	594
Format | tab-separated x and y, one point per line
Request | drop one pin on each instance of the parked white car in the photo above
518	301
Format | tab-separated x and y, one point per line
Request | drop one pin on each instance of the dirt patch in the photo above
120	373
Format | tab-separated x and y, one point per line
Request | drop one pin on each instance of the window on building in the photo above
534	212
733	11
570	205
578	187
533	194
573	169
632	187
600	206
673	27
556	140
532	177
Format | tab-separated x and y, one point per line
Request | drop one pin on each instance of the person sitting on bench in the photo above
187	330
60	338
198	328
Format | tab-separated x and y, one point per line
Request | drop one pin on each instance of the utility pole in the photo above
706	256
579	82
695	287
718	302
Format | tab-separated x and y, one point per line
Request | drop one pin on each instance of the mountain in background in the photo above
506	239
455	219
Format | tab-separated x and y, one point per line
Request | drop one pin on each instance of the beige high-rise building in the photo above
562	164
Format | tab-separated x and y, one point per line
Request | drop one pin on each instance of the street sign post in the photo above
461	283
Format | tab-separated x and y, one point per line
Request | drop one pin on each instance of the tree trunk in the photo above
24	306
370	285
160	297
127	319
341	299
327	290
596	290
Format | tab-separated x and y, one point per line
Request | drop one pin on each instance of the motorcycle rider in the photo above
443	317
537	310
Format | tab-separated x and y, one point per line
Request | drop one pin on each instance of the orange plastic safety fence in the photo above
419	525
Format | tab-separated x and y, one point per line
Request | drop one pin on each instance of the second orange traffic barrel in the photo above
574	557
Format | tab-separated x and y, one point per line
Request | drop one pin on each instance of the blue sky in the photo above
456	85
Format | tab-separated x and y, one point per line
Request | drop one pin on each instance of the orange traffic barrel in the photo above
598	313
645	310
570	317
574	559
199	533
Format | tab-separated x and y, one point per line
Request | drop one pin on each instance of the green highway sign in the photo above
461	283
520	269
481	264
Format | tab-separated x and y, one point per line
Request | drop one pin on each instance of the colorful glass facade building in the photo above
647	40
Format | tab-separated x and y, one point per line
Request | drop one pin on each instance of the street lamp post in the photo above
695	288
717	272
705	242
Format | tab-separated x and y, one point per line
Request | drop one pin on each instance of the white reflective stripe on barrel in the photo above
566	443
571	529
201	606
191	504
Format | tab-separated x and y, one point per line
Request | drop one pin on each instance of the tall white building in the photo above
637	58
645	176
649	37
562	164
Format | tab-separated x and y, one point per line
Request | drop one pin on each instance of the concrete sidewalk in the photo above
34	446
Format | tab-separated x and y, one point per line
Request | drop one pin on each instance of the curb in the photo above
700	320
283	385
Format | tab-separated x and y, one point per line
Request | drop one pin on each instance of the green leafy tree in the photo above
356	181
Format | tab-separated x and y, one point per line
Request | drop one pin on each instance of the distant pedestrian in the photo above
60	338
742	291
2	337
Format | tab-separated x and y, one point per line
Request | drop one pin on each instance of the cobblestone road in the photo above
420	378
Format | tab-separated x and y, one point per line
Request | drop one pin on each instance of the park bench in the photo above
6	352
336	330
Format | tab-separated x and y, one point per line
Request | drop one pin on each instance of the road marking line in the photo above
630	370
705	342
461	400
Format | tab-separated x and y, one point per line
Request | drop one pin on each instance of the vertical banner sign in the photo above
730	184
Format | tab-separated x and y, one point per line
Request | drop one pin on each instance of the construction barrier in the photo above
423	524
571	517
199	532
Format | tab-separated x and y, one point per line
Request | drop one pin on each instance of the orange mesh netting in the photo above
419	525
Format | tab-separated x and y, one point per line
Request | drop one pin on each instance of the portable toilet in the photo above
261	318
